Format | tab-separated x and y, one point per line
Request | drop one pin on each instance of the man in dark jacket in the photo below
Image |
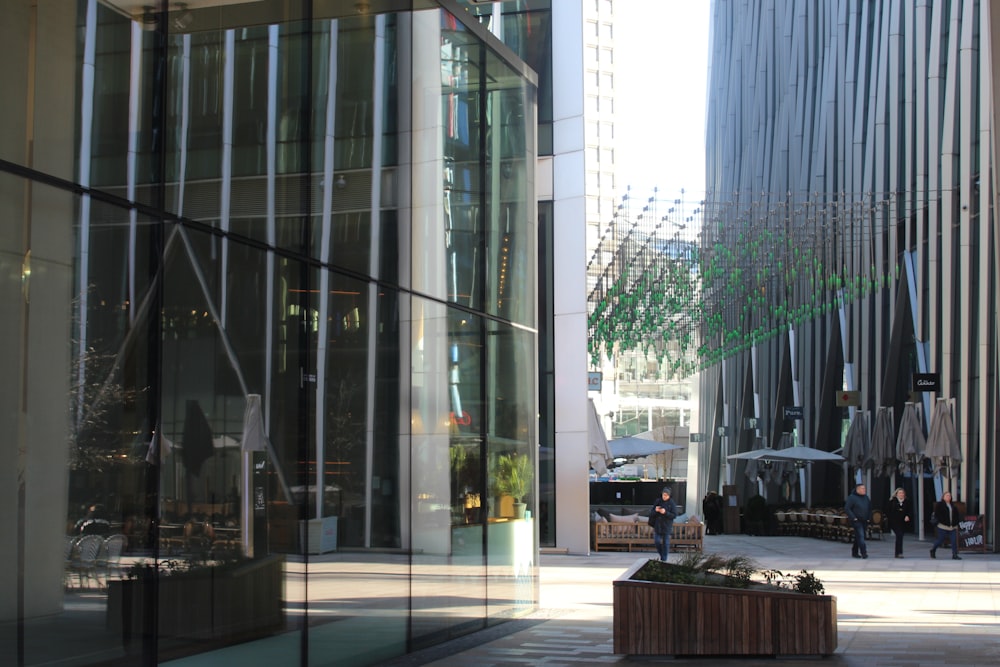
859	510
665	511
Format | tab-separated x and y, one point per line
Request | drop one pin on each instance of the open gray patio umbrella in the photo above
635	447
760	462
858	441
800	454
754	460
881	458
942	441
754	454
786	465
794	459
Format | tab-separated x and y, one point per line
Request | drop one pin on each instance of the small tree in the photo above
514	474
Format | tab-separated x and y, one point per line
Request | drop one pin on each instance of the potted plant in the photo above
708	604
513	478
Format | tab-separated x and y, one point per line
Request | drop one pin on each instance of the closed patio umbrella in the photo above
881	458
858	441
942	441
197	445
599	454
910	442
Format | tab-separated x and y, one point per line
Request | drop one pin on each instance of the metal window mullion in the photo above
987	292
185	90
949	155
87	76
329	145
921	133
932	279
965	323
225	204
271	138
134	103
880	224
375	245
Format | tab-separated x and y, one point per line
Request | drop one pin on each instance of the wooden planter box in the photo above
653	618
217	603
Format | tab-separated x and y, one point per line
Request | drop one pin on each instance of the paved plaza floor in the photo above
891	612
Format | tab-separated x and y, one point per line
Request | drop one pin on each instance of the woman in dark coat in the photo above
711	506
899	517
946	524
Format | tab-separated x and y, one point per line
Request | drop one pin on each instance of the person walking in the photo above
665	511
711	507
858	507
946	524
899	517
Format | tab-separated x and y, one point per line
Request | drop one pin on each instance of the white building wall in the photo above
570	298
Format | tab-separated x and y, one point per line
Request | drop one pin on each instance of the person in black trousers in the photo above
858	508
899	517
946	524
663	513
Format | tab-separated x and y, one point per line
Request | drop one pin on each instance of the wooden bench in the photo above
688	535
639	536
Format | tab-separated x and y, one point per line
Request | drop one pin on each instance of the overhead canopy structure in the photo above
636	447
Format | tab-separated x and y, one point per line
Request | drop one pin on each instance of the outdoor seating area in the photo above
199	537
94	549
207	530
637	535
93	558
827	523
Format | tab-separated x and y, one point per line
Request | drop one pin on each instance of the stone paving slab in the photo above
892	612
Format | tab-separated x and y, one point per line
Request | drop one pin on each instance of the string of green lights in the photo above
693	289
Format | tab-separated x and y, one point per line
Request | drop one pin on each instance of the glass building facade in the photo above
269	295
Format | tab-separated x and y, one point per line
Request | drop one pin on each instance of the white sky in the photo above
661	69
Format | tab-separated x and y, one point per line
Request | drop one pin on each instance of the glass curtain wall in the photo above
525	26
271	292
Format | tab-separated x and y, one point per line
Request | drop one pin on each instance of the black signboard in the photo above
971	533
793	412
924	382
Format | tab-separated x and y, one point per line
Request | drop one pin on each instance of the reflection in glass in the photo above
241	425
